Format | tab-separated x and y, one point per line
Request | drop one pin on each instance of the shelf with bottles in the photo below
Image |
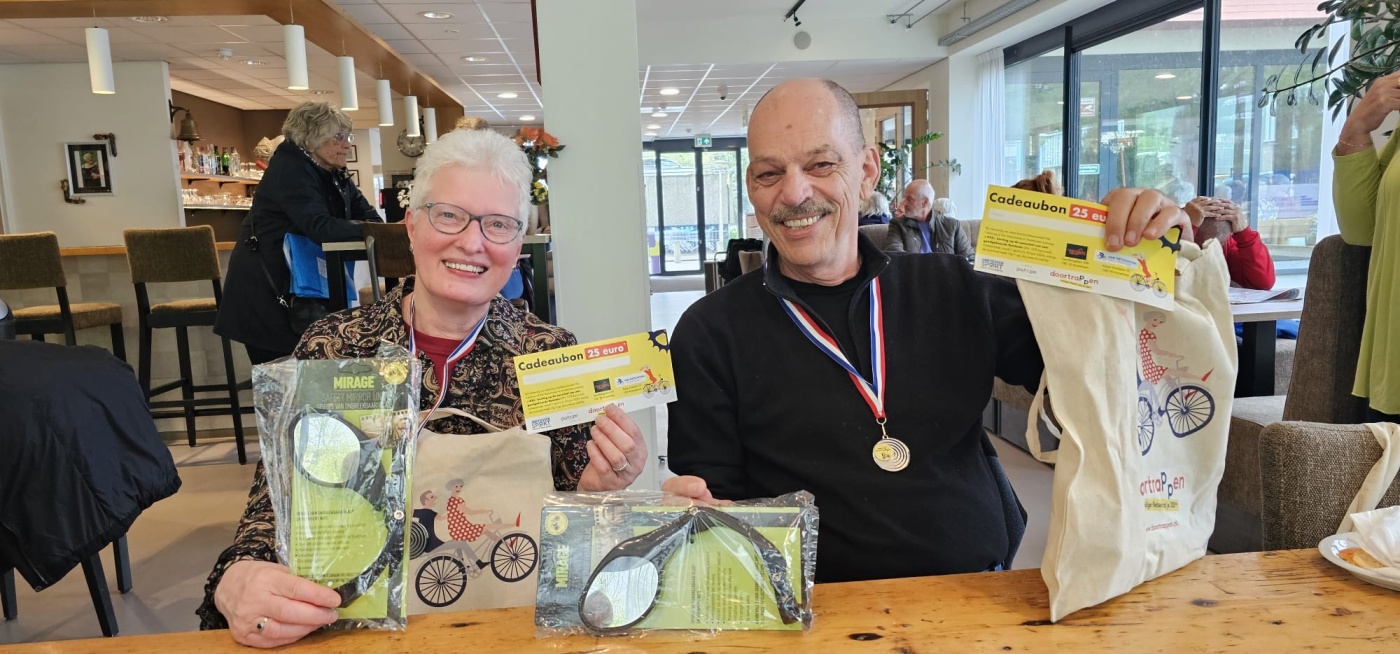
221	179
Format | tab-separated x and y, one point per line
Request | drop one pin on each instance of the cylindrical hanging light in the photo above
430	124
410	114
294	42
349	97
386	103
99	52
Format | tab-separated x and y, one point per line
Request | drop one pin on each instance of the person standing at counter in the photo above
1366	192
306	190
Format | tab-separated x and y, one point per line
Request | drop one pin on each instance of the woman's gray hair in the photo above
945	207
311	124
875	205
480	149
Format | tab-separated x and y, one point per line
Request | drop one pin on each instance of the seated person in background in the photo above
875	210
918	229
470	193
767	412
1043	183
1245	255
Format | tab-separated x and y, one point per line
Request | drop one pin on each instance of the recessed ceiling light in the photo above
508	95
659	114
670	90
255	62
149	19
651	133
1183	97
653	126
527	118
452	31
474	59
1165	76
435	15
320	92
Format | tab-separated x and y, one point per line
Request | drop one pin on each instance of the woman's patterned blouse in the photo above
483	384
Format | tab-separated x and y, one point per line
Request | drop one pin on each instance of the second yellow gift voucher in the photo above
571	385
1059	241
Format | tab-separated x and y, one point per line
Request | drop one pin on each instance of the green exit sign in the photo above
704	141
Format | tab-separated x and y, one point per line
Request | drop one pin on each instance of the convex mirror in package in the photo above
337	450
633	561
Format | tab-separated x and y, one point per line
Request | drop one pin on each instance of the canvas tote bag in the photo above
474	533
1142	398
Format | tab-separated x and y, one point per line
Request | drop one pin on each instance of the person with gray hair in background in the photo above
465	222
875	210
920	229
307	191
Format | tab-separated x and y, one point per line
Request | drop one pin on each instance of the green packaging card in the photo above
715	580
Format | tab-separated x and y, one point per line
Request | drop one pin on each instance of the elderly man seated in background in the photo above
920	229
1245	254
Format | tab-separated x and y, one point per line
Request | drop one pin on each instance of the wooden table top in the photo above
1261	311
1260	602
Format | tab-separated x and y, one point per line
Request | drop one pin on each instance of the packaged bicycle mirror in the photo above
634	561
337	450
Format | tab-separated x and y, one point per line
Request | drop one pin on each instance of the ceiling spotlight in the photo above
792	13
651	133
653	126
1183	97
149	19
527	118
254	62
658	114
796	21
473	59
508	95
452	31
321	92
225	53
1164	76
435	15
670	90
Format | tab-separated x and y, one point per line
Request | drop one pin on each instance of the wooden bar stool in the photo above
34	261
184	254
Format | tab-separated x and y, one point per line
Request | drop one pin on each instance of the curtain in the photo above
989	142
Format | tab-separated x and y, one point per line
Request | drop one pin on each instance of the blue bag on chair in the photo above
307	262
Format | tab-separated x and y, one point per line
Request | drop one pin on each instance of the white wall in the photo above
46	105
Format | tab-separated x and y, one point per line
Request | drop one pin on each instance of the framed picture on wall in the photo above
354	154
89	167
355	176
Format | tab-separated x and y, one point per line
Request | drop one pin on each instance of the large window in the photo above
1145	115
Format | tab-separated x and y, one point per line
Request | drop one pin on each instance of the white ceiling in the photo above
500	31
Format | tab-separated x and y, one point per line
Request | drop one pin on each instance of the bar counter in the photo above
1283	601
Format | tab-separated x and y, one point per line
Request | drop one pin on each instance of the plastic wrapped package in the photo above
337	450
635	561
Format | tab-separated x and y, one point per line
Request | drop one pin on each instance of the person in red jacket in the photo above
1246	256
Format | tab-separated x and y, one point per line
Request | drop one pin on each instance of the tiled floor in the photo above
174	543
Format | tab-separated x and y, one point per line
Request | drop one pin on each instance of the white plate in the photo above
1332	545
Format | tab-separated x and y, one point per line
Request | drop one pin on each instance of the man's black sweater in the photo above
763	412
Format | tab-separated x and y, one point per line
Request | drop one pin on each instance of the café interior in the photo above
157	122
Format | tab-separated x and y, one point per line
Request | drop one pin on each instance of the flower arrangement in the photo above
403	195
539	147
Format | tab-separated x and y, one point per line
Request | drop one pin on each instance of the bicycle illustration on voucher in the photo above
1141	281
655	384
1186	407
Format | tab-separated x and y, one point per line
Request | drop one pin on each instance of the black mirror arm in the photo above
772	559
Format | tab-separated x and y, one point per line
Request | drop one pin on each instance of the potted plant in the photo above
893	158
1375	35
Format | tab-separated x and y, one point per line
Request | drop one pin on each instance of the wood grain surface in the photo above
1260	602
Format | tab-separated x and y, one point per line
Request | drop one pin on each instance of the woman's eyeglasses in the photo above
344	137
452	219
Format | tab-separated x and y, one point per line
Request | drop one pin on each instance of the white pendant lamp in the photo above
386	103
349	97
430	124
99	52
410	115
294	42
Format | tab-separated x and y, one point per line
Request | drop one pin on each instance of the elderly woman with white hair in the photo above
465	224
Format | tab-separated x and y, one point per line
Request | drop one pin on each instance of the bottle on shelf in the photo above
224	162
235	163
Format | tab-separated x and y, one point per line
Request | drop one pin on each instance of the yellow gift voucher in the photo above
570	385
1059	241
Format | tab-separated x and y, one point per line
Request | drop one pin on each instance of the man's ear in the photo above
870	171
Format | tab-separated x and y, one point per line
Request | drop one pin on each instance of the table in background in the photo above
1260	320
1259	602
537	246
339	253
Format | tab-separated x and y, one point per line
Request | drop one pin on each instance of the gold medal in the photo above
891	454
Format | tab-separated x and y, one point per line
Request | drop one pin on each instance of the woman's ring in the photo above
261	626
625	465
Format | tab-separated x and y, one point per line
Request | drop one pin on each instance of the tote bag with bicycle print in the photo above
473	539
1142	400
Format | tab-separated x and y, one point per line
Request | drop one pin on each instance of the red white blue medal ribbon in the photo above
889	454
458	353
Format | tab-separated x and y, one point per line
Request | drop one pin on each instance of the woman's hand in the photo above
617	453
287	606
693	488
1368	114
1135	214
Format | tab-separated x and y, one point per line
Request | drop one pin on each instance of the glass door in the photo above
680	211
720	196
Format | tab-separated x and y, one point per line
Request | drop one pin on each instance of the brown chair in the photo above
1309	472
182	255
386	247
1324	368
34	261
